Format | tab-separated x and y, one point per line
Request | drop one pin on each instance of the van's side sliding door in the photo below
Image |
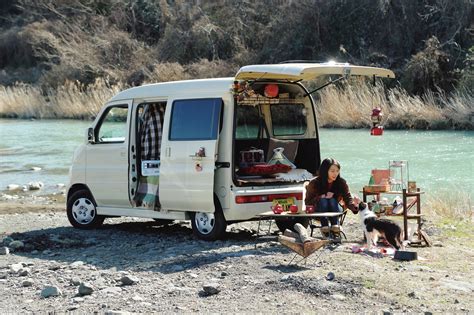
188	154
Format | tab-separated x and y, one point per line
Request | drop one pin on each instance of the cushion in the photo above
265	169
290	148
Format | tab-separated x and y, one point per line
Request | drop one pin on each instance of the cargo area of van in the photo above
276	139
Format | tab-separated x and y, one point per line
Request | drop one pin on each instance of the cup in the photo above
309	209
411	186
277	209
294	209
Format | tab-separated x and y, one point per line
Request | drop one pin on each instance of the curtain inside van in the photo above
150	147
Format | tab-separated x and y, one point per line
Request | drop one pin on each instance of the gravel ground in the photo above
136	266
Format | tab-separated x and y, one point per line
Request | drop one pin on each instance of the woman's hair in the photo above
323	172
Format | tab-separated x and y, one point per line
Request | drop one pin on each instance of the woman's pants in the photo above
328	205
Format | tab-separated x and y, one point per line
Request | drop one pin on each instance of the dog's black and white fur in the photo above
375	227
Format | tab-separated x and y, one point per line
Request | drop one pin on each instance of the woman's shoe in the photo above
336	232
325	232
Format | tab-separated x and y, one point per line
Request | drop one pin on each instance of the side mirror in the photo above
90	135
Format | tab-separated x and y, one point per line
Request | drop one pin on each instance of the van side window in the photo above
195	119
248	120
288	119
113	125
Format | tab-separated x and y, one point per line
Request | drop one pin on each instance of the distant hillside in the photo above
48	42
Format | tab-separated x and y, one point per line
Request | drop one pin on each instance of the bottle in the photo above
371	180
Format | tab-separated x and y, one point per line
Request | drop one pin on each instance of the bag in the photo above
279	158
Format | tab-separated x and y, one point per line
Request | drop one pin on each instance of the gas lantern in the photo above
376	117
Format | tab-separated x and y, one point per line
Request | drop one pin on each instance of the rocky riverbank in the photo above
137	266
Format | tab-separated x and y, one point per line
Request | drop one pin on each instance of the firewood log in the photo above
292	234
292	244
301	230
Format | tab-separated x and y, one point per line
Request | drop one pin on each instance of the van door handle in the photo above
168	151
122	154
222	164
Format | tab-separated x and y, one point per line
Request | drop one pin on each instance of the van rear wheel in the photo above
289	223
82	211
208	226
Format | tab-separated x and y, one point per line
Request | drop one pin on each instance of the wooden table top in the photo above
302	214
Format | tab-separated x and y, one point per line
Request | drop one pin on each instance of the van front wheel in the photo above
82	212
208	226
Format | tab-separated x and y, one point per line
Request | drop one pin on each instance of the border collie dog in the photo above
375	227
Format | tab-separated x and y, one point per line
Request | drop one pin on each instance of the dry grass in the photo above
346	107
68	101
450	205
350	107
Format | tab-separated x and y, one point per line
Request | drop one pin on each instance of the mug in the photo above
277	209
294	209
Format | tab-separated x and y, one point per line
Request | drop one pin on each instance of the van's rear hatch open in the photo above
307	71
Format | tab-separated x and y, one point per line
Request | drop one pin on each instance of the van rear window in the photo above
288	119
195	119
248	120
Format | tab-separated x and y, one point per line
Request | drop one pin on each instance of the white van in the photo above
198	150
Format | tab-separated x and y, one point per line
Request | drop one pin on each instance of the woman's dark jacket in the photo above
339	188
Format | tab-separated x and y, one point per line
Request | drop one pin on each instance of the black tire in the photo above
289	223
209	226
82	211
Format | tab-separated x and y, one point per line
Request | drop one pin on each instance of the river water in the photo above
437	160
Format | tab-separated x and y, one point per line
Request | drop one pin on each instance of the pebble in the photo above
413	295
23	272
338	297
111	290
27	283
330	276
75	281
211	288
50	291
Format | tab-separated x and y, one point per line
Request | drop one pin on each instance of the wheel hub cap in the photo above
204	222
83	211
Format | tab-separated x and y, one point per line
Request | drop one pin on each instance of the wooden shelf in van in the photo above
265	100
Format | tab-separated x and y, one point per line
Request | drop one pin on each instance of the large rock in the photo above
129	280
49	291
15	245
35	185
211	288
13	187
85	289
15	268
4	250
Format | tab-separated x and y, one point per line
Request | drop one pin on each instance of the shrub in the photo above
429	69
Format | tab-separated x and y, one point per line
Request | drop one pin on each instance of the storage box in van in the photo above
199	150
